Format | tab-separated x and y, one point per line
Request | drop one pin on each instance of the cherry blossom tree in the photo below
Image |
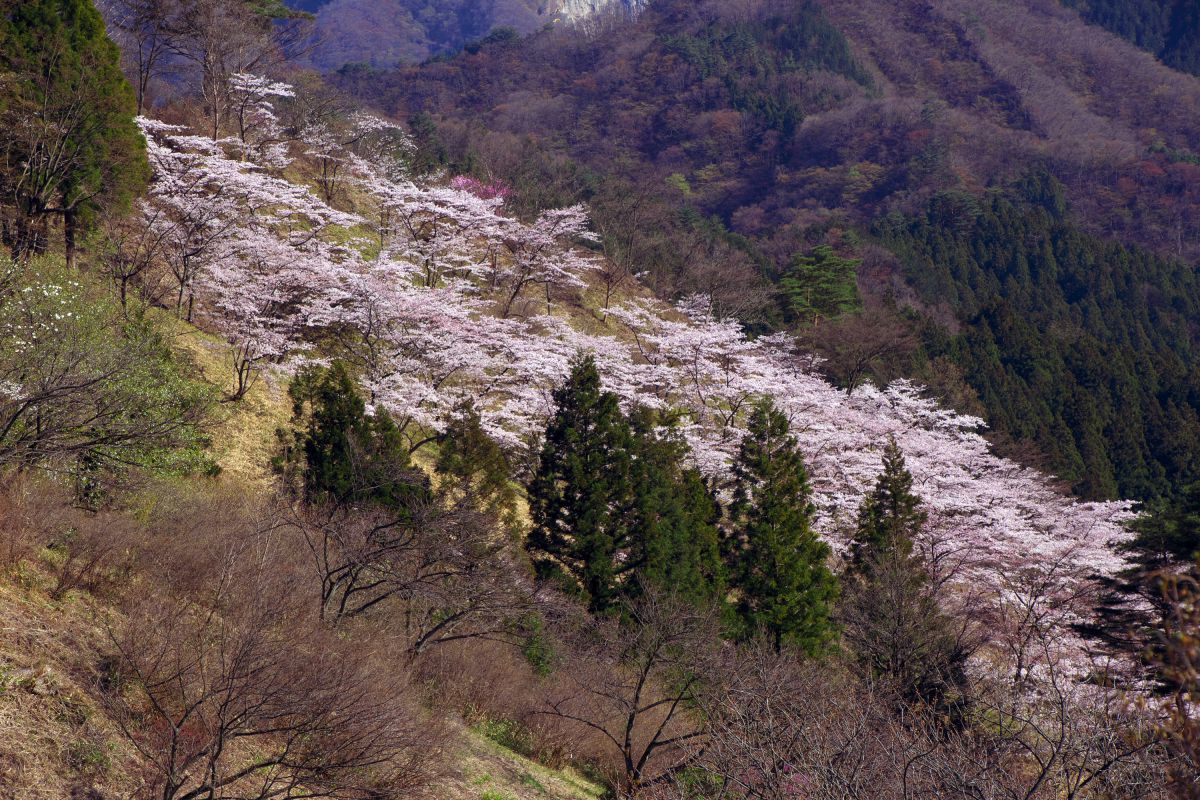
539	257
256	125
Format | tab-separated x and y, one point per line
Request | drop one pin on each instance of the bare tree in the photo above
1060	736
783	728
856	346
618	226
636	684
207	41
237	692
130	251
140	27
442	567
219	39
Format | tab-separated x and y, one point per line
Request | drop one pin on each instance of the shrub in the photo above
87	389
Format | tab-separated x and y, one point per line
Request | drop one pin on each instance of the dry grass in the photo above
484	770
55	741
243	432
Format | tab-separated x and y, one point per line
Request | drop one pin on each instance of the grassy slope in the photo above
56	738
483	770
243	433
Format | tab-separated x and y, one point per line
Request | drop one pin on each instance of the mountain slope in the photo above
732	140
1170	29
382	33
216	587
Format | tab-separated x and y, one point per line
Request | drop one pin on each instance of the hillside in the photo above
453	334
336	464
1170	29
776	131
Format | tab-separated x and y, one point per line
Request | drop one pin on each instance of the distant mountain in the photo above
383	33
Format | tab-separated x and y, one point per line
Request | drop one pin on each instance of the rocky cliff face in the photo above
383	33
580	9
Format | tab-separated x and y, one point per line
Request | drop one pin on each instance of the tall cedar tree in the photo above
891	615
350	457
775	557
612	507
580	486
70	144
477	465
674	516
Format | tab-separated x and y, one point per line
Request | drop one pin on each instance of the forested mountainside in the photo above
334	465
718	139
1168	28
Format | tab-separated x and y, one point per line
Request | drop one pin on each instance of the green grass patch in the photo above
509	734
492	794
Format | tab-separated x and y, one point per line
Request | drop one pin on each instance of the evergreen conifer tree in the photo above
350	457
70	143
821	285
1169	538
890	613
1132	607
891	516
580	488
676	545
778	562
479	466
614	510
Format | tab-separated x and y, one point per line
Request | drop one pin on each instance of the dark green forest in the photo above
1085	347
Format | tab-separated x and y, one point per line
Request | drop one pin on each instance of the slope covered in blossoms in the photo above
434	295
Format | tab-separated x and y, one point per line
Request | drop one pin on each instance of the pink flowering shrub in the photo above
490	190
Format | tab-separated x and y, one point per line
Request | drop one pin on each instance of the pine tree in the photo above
70	144
890	517
581	485
778	562
821	285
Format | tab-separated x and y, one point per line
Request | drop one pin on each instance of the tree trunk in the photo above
70	231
